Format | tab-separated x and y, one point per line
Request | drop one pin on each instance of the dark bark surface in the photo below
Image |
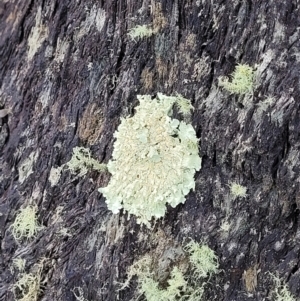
69	71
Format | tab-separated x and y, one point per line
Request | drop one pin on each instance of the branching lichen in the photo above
238	190
80	163
181	286
281	291
28	287
154	160
241	80
140	31
203	259
25	224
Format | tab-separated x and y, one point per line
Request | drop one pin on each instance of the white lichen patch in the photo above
154	160
95	17
26	224
55	174
80	295
238	190
38	35
19	263
26	167
61	50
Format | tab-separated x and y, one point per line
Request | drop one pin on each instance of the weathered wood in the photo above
69	71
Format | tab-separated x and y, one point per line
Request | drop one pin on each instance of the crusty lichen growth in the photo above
241	80
26	223
154	160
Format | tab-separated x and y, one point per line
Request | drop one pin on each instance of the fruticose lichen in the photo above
154	160
25	224
28	287
238	190
140	31
281	291
181	286
80	163
241	80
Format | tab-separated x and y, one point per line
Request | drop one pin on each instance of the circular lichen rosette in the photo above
154	160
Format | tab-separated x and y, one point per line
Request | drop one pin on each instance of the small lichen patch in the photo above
38	35
28	287
238	190
241	80
82	161
181	284
154	160
26	224
19	264
55	174
26	167
203	258
140	31
281	291
80	295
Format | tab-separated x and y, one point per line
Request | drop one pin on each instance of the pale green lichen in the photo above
25	224
27	288
140	31
154	160
203	259
241	80
238	190
181	286
281	291
80	163
19	263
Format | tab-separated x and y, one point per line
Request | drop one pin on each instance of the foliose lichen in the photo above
154	159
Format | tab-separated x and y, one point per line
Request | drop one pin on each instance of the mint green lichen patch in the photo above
154	160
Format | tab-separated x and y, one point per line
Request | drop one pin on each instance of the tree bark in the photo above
69	72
